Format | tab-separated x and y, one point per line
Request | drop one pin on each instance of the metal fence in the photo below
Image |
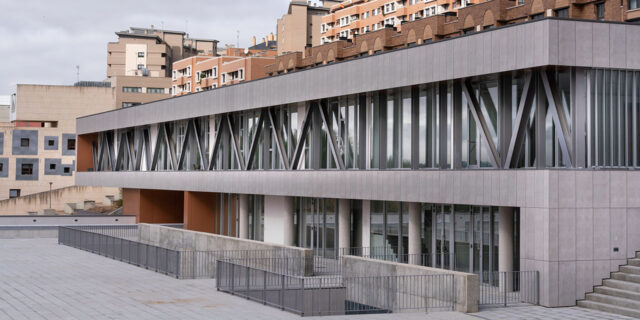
509	288
154	258
334	295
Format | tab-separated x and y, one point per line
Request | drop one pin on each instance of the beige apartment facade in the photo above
139	64
38	145
300	26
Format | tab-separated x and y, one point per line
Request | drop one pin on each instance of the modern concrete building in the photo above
514	148
38	145
300	26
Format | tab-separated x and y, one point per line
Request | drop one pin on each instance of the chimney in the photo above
271	37
253	41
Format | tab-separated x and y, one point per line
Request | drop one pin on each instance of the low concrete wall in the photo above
24	227
186	240
466	284
28	232
57	220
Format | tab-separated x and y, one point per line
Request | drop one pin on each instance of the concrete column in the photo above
278	220
344	223
366	223
505	246
243	219
415	247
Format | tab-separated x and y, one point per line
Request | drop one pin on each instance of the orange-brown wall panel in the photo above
153	206
199	211
84	151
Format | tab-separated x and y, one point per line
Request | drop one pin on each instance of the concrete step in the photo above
618	293
626	277
622	285
609	308
634	262
630	269
613	300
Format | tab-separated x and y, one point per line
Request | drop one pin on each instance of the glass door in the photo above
318	230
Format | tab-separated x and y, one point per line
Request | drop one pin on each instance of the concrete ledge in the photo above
28	232
186	240
465	284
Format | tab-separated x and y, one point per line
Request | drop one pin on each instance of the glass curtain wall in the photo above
226	214
463	238
317	225
389	227
256	217
614	117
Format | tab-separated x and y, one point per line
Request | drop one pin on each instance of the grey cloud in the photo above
43	40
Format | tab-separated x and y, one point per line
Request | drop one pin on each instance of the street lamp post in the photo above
50	185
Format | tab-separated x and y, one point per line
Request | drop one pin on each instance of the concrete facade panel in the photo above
618	246
566	234
57	166
34	162
601	45
30	137
633	45
50	143
601	233
567	43
567	283
4	171
617	46
584	234
584	44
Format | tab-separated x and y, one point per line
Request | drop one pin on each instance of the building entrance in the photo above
317	225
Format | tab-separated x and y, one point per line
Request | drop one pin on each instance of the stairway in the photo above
619	294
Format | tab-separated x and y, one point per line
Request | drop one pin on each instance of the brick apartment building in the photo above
202	73
470	18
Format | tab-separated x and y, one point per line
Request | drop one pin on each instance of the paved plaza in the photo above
40	279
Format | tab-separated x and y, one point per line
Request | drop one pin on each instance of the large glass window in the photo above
428	126
389	230
256	217
317	225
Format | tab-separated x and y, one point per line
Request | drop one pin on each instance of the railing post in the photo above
302	304
248	282
264	288
505	286
282	292
233	279
178	259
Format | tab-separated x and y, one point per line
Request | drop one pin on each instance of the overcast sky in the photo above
41	41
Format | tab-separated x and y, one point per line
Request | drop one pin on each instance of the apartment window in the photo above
389	7
562	13
213	86
155	90
344	34
24	142
189	71
71	144
1	166
323	28
344	21
537	16
214	72
174	75
390	21
188	87
26	169
140	66
634	4
132	89
140	54
520	2
365	15
50	143
468	30
52	166
224	78
14	193
600	11
129	104
198	89
173	90
66	170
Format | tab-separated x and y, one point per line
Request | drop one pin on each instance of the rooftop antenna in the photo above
77	73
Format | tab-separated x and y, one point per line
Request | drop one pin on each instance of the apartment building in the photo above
476	17
139	64
299	27
202	73
5	104
354	17
38	141
495	151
